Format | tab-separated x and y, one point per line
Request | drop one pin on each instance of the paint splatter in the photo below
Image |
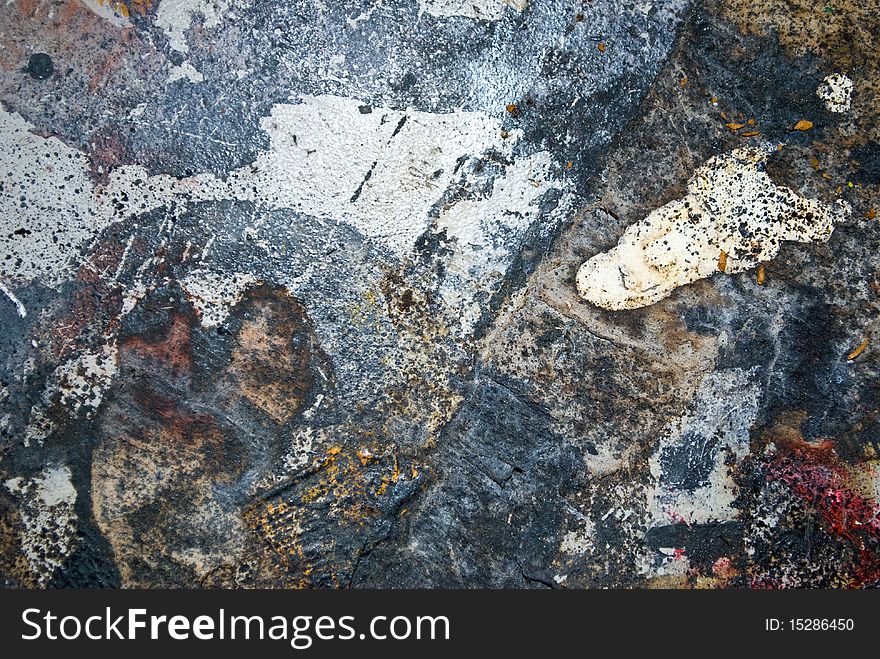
836	91
732	207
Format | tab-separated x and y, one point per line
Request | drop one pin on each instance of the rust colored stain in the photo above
273	356
173	348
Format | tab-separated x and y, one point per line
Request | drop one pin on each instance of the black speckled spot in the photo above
40	66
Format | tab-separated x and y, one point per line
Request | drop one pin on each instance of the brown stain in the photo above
172	348
140	7
161	423
93	58
785	435
87	312
28	7
273	358
182	419
399	297
107	150
160	412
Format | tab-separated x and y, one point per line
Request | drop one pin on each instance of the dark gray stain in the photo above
40	66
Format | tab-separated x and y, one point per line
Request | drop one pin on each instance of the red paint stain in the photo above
813	473
723	567
678	518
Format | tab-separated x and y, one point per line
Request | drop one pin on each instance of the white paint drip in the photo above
732	206
48	517
19	307
836	91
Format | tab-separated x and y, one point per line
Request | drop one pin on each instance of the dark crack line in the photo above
398	127
357	193
534	578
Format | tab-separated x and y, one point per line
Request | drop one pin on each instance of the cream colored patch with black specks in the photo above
49	519
732	207
836	92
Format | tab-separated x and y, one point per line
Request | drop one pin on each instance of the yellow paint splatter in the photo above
858	351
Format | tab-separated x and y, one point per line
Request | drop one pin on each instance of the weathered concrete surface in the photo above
289	295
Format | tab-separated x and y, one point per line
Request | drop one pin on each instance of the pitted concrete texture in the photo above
289	293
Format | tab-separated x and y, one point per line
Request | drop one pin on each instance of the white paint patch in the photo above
185	70
836	91
484	10
213	294
718	421
486	232
48	517
674	564
52	207
175	17
44	202
83	380
579	541
379	171
732	206
111	10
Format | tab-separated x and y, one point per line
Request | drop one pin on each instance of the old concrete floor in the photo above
289	293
